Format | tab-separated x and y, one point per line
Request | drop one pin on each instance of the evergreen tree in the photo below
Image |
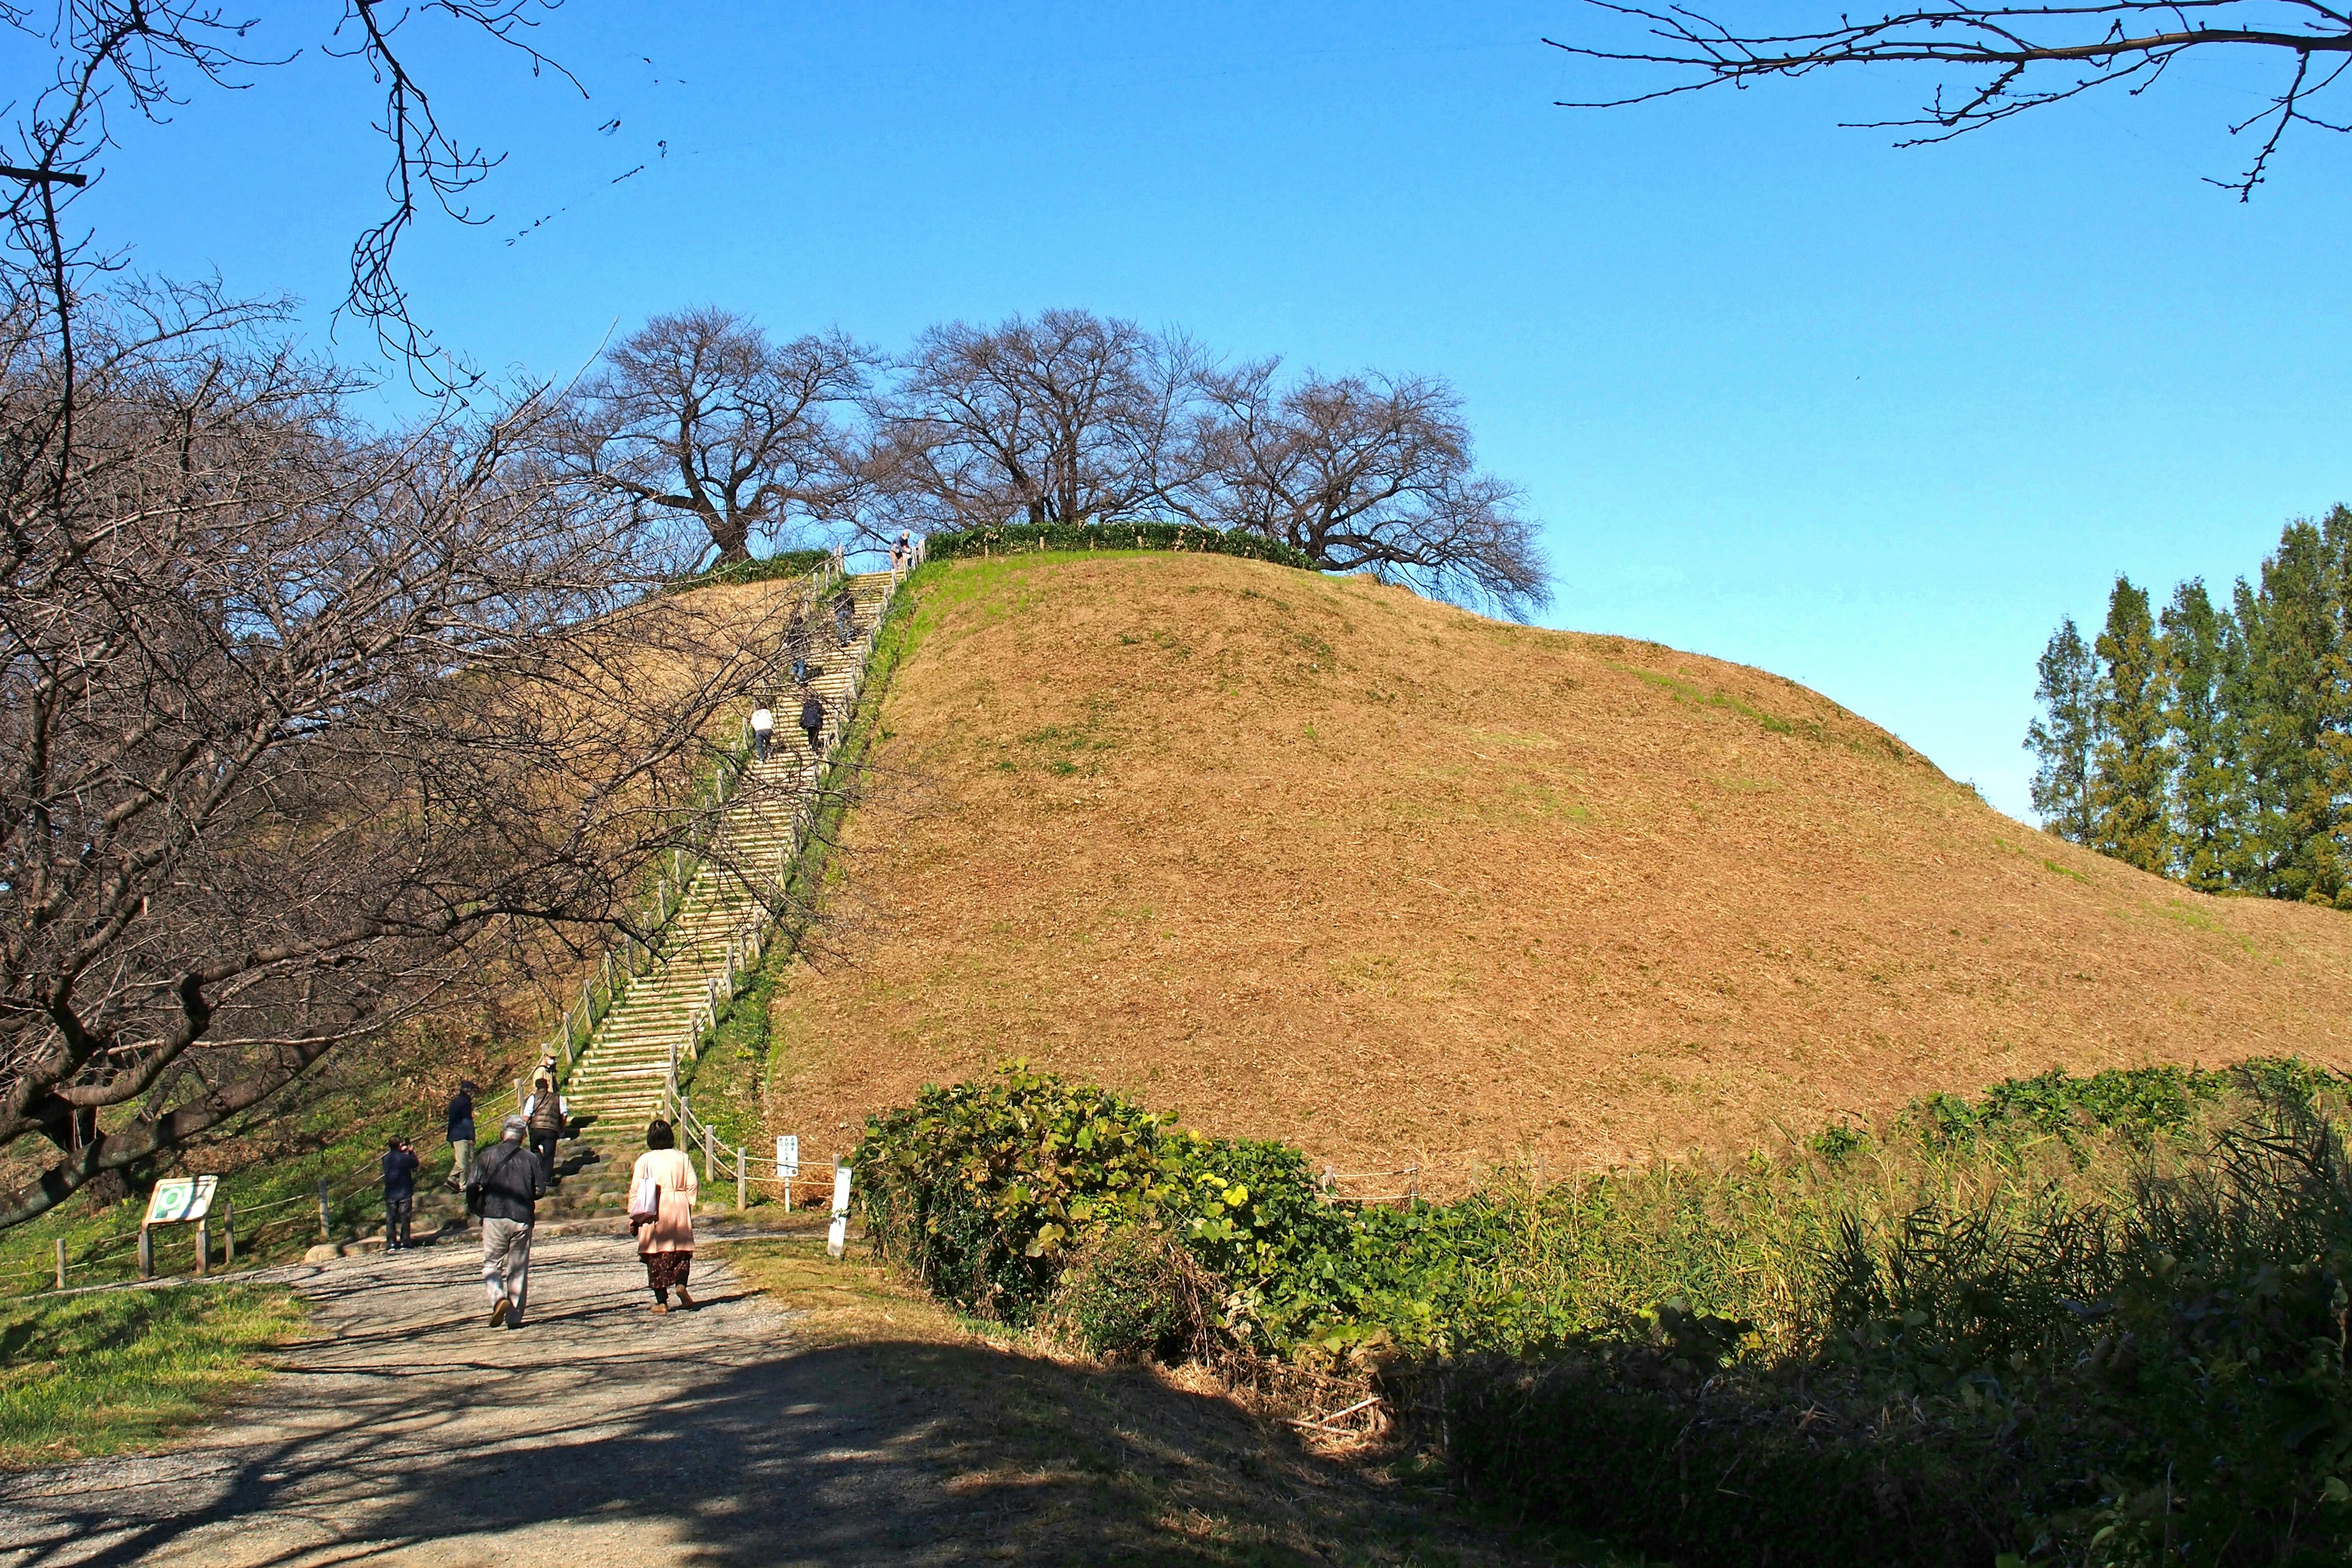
2202	661
2131	765
2065	735
2329	802
2288	710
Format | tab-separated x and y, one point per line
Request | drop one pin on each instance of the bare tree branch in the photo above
2007	59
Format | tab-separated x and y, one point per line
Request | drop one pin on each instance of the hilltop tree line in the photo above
2212	742
1067	417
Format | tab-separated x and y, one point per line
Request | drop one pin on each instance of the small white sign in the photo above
178	1199
788	1156
837	1237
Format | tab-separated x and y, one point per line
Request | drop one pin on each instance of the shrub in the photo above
1132	1291
784	563
1115	535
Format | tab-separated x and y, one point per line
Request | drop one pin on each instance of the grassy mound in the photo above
1314	859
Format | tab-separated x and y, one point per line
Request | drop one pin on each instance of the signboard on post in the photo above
179	1199
788	1156
837	1235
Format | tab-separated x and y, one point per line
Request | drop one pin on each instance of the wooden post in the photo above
203	1246
743	1185
706	1144
326	1222
228	1234
146	1253
62	1263
837	1235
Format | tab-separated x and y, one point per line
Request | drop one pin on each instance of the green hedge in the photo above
1012	539
761	569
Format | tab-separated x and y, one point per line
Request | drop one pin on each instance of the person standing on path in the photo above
812	719
461	1134
763	727
547	1114
508	1183
661	1211
399	1194
844	615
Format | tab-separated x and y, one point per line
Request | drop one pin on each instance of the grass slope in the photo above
1317	859
115	1371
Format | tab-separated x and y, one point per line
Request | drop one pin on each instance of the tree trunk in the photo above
733	535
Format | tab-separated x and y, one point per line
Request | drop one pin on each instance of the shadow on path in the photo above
601	1437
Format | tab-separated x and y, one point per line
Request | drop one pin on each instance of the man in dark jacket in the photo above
399	1194
508	1183
845	616
461	1134
812	719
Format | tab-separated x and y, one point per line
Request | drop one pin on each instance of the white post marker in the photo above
788	1163
837	1237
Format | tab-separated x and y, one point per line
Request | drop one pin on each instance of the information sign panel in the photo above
177	1199
788	1156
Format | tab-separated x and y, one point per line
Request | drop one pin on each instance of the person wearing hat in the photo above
508	1183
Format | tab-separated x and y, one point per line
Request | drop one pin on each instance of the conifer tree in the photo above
2131	766
2291	623
2202	665
2066	734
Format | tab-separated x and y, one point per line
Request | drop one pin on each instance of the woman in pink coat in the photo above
661	1211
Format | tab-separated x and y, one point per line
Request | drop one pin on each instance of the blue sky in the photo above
1871	418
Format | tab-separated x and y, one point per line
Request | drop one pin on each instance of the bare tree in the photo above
141	56
1992	62
698	414
1367	472
1064	418
295	716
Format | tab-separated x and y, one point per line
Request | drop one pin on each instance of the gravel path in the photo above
405	1430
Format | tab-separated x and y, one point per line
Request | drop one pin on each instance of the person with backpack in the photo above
399	1194
546	1115
508	1183
461	1134
812	719
661	1213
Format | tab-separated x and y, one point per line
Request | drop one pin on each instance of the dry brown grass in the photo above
1318	859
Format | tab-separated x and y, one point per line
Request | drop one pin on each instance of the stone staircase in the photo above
621	1077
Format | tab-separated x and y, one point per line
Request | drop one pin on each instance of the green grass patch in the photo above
116	1371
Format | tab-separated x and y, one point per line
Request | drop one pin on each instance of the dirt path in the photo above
828	1418
406	1430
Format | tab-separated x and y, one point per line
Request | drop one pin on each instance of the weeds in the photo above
2096	1321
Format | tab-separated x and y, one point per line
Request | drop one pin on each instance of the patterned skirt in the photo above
666	1271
